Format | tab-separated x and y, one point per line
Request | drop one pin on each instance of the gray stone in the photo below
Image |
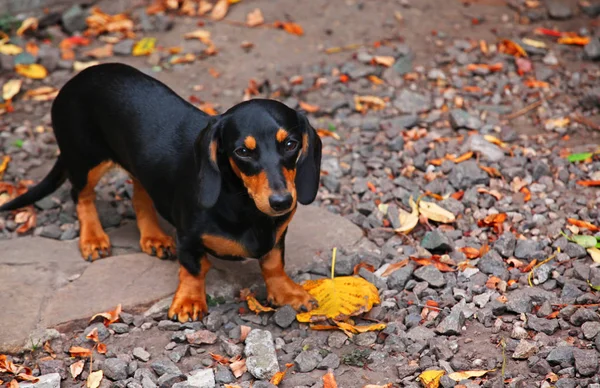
168	325
365	339
505	245
561	355
420	334
223	375
165	366
566	382
115	369
261	357
49	57
410	102
53	366
201	337
575	251
307	360
489	151
344	264
437	241
452	324
467	174
583	315
527	249
461	119
141	354
202	378
263	384
559	9
492	264
284	316
331	361
590	329
524	350
336	339
124	47
586	361
431	275
119	328
103	332
546	326
73	19
397	280
51	380
24	59
168	380
592	49
230	348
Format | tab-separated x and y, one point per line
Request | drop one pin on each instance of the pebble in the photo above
163	366
524	350
51	380
586	361
115	369
261	358
141	354
431	275
285	316
437	241
307	360
452	324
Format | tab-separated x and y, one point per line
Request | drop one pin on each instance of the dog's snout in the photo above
280	202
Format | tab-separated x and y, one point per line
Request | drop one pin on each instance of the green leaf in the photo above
584	241
579	157
331	127
18	143
597	288
598	245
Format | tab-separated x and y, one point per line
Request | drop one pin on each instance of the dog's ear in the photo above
309	165
206	149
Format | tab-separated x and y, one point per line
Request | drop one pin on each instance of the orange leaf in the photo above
220	359
463	157
32	48
101	348
527	193
278	377
374	79
255	305
588	183
29	220
371	187
458	195
432	303
492	171
208	108
366	266
492	282
220	9
78	351
492	68
255	18
583	224
493	193
533	83
470	252
327	133
511	48
329	380
109	316
394	267
553	314
13	384
93	335
529	266
386	61
323	327
100	52
290	28
574	40
308	107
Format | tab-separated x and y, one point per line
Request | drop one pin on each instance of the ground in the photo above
450	113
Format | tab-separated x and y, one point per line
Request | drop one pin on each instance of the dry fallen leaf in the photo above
255	18
10	49
408	221
364	103
109	316
11	88
30	23
238	368
255	305
289	27
278	377
388	385
28	218
219	10
202	35
34	71
431	378
394	267
13	384
588	183
435	212
244	331
43	93
144	46
458	376
329	380
101	348
595	254
76	368
339	298
310	108
575	40
93	335
347	327
511	48
386	61
94	379
100	52
78	351
470	252
578	223
80	66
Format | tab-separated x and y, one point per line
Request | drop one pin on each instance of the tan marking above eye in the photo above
213	151
281	135
304	143
250	142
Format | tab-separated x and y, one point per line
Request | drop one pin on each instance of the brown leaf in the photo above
78	351
394	267
93	335
511	48
29	220
289	27
329	380
470	252
100	52
48	349
94	379
492	282
101	348
364	265
220	359
244	331
527	194
255	305
255	18
13	384
492	171
30	23
76	368
220	9
278	377
583	224
308	107
588	183
109	316
494	193
238	368
386	61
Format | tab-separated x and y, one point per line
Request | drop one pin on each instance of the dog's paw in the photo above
291	293
188	307
94	247
161	246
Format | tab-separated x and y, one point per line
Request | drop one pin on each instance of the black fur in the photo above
115	112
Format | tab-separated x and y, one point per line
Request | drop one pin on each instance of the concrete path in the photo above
45	282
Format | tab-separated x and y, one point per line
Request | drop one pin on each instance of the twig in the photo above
525	110
503	344
587	122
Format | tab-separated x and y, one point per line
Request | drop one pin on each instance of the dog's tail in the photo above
55	178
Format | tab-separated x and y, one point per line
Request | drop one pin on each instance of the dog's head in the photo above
270	147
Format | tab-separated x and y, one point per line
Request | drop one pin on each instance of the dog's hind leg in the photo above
93	242
154	241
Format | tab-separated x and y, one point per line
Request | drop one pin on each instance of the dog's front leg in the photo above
282	290
189	301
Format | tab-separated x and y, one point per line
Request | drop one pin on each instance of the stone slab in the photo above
45	282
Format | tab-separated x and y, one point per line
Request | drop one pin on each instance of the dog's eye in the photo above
243	152
290	145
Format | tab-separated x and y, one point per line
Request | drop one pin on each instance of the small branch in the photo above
587	122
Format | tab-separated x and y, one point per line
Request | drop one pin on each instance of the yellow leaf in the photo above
595	253
435	212
144	46
255	305
11	88
202	35
76	368
79	66
408	221
94	379
360	329
495	140
4	164
34	71
28	24
431	378
339	298
10	49
534	43
457	376
220	9
43	93
363	103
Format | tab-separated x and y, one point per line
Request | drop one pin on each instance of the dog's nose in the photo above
280	202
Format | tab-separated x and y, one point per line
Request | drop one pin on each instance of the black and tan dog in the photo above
228	183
